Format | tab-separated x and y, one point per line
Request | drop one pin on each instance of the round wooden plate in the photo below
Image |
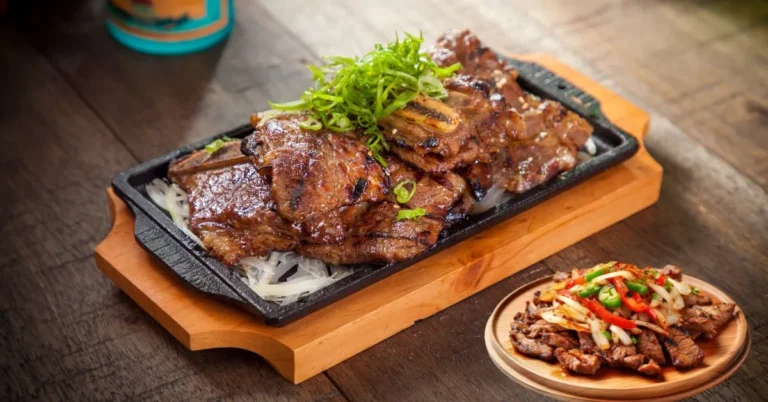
723	356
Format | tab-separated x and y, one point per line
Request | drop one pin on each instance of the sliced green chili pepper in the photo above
609	297
594	273
589	290
638	287
695	290
608	335
656	296
634	338
667	285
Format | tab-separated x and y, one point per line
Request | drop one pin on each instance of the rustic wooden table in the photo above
76	107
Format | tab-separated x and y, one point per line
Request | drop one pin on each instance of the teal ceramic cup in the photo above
170	27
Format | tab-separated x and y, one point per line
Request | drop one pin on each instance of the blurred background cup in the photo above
170	27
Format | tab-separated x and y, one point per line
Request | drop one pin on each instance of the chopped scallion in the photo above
402	193
216	144
411	213
351	93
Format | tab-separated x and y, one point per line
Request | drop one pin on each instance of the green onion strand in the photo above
355	93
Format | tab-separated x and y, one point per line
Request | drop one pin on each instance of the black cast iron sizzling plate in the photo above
156	232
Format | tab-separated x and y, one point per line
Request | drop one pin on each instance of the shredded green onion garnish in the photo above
411	213
351	93
403	194
216	144
695	290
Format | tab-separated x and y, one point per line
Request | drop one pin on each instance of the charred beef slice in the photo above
578	362
708	320
531	347
648	344
559	340
683	352
651	369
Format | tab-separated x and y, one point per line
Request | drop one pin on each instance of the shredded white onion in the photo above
590	146
596	328
551	317
621	334
604	278
652	327
262	274
682	288
495	196
573	304
572	313
662	292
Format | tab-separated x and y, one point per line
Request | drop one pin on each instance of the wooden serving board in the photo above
723	355
327	337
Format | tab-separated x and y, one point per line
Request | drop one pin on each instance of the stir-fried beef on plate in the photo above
609	316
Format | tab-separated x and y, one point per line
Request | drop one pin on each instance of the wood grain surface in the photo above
76	107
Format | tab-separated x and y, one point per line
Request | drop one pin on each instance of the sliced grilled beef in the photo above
559	340
578	362
476	60
232	212
541	327
531	347
471	151
437	194
314	172
648	344
378	237
683	352
651	369
707	320
697	300
624	356
673	271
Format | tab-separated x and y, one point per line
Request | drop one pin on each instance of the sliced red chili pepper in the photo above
605	315
573	282
635	304
661	280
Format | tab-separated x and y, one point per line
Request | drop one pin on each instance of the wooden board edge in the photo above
278	354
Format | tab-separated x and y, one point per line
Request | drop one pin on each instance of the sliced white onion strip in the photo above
655	302
551	317
673	318
621	334
573	304
590	146
662	292
624	274
683	288
495	196
679	302
572	313
652	327
597	334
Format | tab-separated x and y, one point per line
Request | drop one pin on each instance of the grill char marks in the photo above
525	141
314	172
683	352
231	209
